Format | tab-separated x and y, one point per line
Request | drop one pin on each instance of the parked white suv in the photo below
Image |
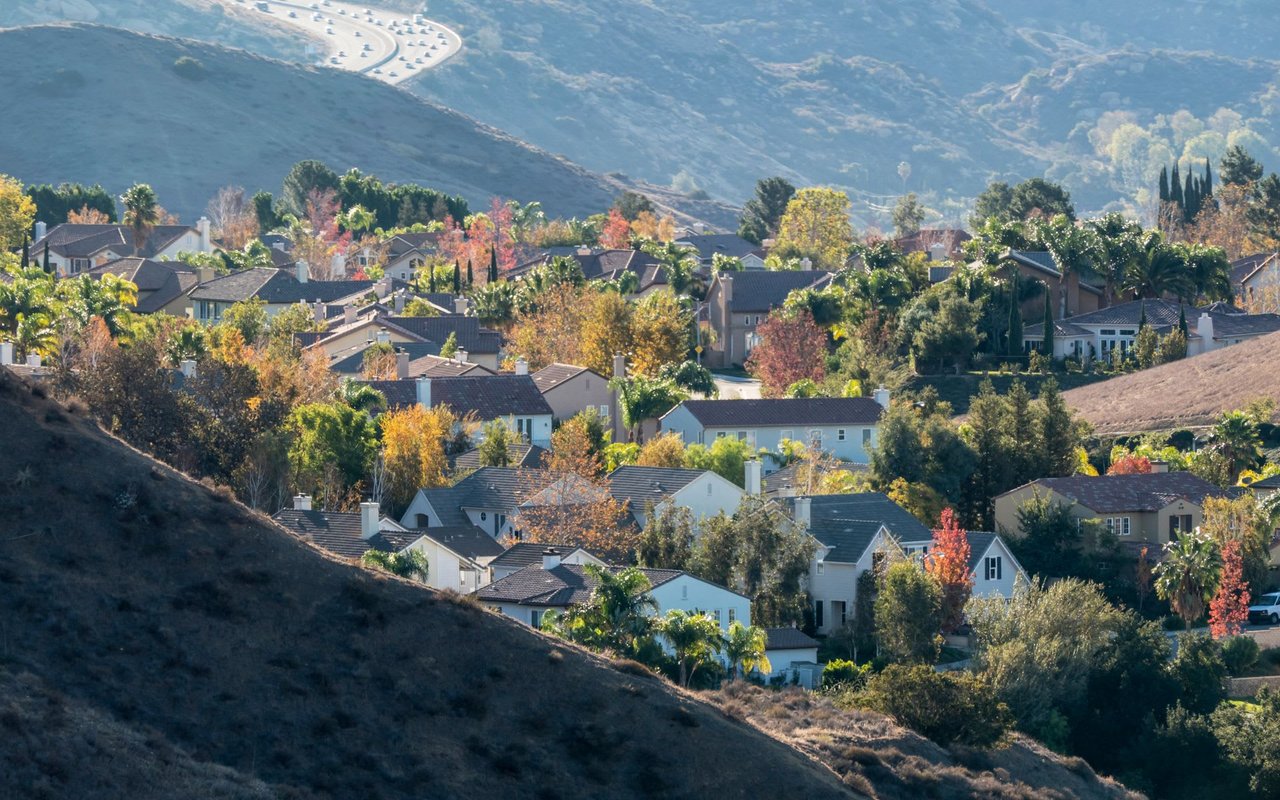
1265	610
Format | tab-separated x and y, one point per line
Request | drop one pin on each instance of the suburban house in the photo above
524	554
519	454
277	288
344	534
406	253
854	531
1255	281
729	245
1149	508
845	427
75	248
800	477
737	302
458	557
597	264
793	657
528	594
1101	333
514	399
570	389
357	328
938	244
164	287
489	498
1081	297
703	492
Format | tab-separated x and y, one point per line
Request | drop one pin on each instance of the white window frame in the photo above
822	568
840	435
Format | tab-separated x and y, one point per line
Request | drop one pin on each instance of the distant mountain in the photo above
105	105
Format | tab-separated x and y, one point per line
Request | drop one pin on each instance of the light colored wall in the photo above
705	496
781	660
839	581
1144	526
445	568
582	391
420	505
1009	573
850	449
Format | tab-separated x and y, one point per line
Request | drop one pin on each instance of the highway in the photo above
390	46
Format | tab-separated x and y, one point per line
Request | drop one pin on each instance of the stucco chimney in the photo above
460	305
802	511
424	392
699	228
383	336
806	263
6	353
550	559
1204	329
34	360
349	314
41	230
584	250
882	397
205	274
319	311
368	520
619	365
461	355
302	502
188	368
402	365
754	470
206	242
1159	466
726	288
301	271
398	303
522	366
383	287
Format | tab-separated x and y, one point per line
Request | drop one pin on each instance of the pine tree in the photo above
1047	346
1058	435
1015	318
1164	185
493	265
457	278
1182	320
431	280
471	280
26	252
1175	187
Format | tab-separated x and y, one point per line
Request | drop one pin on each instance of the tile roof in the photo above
351	360
276	286
1148	492
469	334
644	485
847	523
338	532
488	488
552	375
79	240
467	541
728	244
488	396
522	554
1163	315
764	290
788	639
567	584
518	455
598	263
161	282
1242	269
784	411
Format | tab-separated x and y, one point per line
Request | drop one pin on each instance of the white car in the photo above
377	70
1266	609
418	60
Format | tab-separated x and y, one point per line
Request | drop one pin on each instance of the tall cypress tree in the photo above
1047	346
457	278
26	252
46	255
1142	321
1189	199
431	280
1175	187
471	278
1015	318
1164	184
493	265
1182	319
1207	189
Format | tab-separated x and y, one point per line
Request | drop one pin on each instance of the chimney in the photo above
424	392
368	520
461	356
349	314
202	227
398	303
699	228
726	289
383	336
806	263
522	366
802	512
41	230
460	305
188	368
1204	329
319	311
1159	466
767	244
754	470
33	360
619	365
301	271
338	266
6	353
584	250
302	502
402	365
550	559
882	397
383	287
205	274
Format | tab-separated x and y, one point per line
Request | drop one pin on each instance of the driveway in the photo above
733	387
383	44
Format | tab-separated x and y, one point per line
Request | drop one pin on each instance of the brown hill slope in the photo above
105	105
1184	394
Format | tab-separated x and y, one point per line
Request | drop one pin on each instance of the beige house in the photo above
738	302
571	389
1152	508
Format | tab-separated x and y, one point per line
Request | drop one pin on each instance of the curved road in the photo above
388	45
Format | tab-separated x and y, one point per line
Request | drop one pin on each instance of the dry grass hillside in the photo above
158	640
1184	394
104	105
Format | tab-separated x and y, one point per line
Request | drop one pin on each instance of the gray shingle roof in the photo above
522	554
788	639
644	485
276	286
552	375
764	290
488	396
567	584
487	487
79	240
470	335
161	282
518	455
848	522
467	541
728	244
351	361
1149	492
1043	262
337	532
784	411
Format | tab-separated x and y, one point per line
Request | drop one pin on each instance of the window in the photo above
840	435
483	516
817	614
716	615
720	434
708	489
993	568
821	568
79	265
815	438
837	612
733	615
742	436
866	436
684	592
604	412
1117	525
535	618
1179	524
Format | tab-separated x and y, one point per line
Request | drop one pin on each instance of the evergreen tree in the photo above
1190	201
457	278
1058	432
1015	318
1024	434
988	435
1208	179
493	265
26	252
1047	346
431	280
46	255
1239	168
1182	320
1164	185
1142	321
470	277
1175	187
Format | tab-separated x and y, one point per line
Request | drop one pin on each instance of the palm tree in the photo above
1119	245
1158	270
641	398
745	646
678	265
1236	438
1188	576
361	396
188	342
1208	269
409	564
695	638
1074	250
141	211
109	298
27	306
623	604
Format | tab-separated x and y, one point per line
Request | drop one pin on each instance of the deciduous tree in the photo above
413	441
908	614
792	348
816	226
1229	609
948	563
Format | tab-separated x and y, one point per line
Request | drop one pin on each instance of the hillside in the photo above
1183	394
161	641
246	121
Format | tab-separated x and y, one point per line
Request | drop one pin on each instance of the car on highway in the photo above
377	70
1265	610
418	60
395	74
364	55
333	59
293	15
358	33
329	31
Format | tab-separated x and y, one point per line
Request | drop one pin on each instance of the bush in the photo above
1200	672
845	674
950	707
190	68
1240	653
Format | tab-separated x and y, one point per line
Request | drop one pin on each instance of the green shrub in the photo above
190	68
1200	672
845	674
1240	653
947	707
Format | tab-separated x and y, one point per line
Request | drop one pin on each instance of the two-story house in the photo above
570	390
737	302
513	399
1150	508
278	289
75	248
845	427
164	287
702	492
489	498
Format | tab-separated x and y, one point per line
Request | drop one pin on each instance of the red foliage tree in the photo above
494	230
1229	609
792	348
1129	464
616	234
948	563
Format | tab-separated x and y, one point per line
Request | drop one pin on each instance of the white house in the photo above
703	492
845	427
74	248
793	656
344	534
488	498
458	557
524	554
992	564
527	594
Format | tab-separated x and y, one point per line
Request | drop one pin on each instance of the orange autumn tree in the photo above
1129	464
948	563
616	234
1229	609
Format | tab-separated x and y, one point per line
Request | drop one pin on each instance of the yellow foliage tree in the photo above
666	450
660	333
17	213
413	442
646	225
816	225
553	332
606	330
